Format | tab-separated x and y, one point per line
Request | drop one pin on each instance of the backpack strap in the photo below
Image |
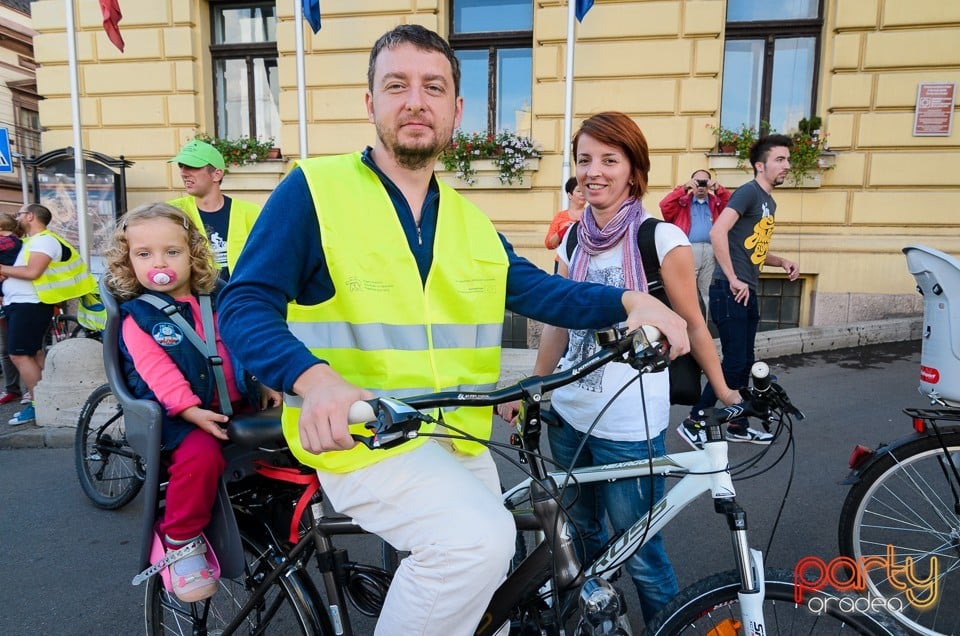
207	347
647	243
572	240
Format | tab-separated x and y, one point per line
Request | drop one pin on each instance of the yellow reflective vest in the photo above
384	329
243	215
62	280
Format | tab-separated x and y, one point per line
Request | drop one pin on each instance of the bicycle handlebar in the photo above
394	421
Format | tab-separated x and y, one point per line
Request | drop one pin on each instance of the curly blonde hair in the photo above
120	275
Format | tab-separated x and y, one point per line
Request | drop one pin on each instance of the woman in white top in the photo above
612	165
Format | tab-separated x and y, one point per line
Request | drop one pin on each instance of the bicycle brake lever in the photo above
396	423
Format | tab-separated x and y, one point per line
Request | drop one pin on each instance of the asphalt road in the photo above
65	566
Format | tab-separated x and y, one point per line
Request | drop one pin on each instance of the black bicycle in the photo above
110	471
64	326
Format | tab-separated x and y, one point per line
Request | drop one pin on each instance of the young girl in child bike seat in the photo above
157	251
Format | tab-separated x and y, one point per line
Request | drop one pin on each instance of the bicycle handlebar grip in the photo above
361	412
760	372
652	333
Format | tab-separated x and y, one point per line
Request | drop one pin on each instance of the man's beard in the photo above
412	157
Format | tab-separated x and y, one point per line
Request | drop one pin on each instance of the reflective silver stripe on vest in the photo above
296	402
62	266
466	336
58	284
382	336
368	337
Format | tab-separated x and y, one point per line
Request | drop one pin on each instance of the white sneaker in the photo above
750	436
27	398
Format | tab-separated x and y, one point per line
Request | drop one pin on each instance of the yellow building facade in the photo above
659	61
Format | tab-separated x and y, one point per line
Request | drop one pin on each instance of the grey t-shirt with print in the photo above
749	238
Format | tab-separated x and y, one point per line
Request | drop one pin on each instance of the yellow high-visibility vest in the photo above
385	330
62	280
243	215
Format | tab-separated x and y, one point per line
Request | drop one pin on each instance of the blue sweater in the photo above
283	261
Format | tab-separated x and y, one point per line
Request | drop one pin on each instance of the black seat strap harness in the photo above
208	347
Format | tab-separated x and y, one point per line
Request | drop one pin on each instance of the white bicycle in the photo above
746	600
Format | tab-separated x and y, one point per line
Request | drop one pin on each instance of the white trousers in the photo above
445	509
704	264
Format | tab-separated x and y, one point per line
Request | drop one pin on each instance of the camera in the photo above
702	183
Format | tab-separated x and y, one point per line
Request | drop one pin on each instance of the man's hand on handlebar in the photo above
327	398
644	309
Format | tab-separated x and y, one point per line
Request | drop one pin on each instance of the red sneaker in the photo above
6	397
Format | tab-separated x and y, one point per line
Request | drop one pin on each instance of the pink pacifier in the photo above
162	276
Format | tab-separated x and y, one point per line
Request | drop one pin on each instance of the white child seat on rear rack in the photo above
938	280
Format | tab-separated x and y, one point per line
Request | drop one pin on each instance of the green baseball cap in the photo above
198	154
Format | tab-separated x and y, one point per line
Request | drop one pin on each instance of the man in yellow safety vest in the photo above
47	271
371	277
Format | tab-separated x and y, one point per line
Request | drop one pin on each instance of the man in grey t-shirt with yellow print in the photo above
741	238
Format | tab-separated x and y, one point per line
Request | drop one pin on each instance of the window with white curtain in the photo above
246	82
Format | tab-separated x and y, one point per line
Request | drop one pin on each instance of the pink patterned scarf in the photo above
593	240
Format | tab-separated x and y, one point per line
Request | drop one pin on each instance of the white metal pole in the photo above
301	79
79	169
568	99
24	190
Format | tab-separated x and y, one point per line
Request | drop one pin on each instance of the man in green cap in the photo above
226	221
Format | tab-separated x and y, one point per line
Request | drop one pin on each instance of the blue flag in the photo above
582	7
311	13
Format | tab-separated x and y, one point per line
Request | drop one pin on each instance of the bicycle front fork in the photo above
750	565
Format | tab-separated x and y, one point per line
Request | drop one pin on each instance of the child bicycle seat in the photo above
143	421
938	280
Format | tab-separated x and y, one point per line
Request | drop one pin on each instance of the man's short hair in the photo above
42	212
422	38
704	170
760	149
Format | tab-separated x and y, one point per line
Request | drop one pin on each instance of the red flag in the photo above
111	17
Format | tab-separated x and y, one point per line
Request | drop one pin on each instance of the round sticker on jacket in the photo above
167	334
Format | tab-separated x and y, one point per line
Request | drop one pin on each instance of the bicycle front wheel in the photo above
711	606
110	472
288	607
905	506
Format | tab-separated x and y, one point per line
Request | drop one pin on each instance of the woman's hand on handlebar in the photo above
644	309
509	410
730	397
327	398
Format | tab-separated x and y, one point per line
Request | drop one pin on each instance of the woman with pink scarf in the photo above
611	415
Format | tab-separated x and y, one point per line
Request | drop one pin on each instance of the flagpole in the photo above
301	79
79	167
568	98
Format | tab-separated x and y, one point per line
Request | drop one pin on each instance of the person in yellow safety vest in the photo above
47	271
370	277
225	221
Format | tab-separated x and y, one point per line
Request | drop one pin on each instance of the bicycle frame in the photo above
703	471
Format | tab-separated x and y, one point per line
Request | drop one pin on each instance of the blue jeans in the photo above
737	325
623	502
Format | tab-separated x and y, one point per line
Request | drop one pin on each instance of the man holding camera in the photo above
693	207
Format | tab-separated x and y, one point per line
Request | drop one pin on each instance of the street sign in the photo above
6	163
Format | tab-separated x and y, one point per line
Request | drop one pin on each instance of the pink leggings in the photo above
195	469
